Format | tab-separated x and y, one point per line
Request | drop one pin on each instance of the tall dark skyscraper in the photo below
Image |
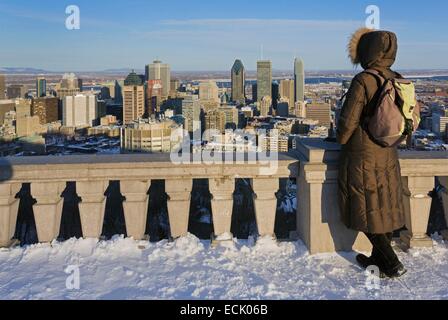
264	79
275	93
238	82
41	87
118	92
299	79
2	87
254	92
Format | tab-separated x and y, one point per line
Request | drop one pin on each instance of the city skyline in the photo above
127	35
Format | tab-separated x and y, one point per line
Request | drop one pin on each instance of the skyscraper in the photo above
159	71
231	117
46	108
71	81
70	85
209	91
320	112
118	95
41	87
254	92
80	110
264	79
5	107
23	108
153	96
265	106
174	86
215	120
191	111
2	87
275	93
287	92
300	109
282	108
133	98
299	78
15	91
238	82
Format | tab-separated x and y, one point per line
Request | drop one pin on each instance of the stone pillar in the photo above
265	204
179	195
135	207
9	207
47	209
222	204
92	207
318	215
418	207
444	194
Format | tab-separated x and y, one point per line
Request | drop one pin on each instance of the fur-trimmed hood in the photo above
371	48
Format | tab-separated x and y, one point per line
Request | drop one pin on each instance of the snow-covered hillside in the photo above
191	269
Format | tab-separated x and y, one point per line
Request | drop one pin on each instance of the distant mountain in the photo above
224	74
34	71
121	70
12	70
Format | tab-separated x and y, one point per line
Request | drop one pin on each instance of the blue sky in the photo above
209	35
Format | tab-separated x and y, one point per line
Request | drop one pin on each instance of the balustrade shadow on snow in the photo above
443	194
438	219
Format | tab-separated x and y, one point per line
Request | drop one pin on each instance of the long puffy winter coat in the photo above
370	187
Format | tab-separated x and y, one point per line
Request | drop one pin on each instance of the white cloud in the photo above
324	24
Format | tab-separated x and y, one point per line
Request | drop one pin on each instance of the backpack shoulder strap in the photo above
378	76
398	75
381	82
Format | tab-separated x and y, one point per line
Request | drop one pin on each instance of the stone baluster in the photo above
222	204
418	207
135	207
265	199
9	207
47	209
92	207
179	195
444	183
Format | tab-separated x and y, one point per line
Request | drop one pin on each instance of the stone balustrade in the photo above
48	177
314	164
318	222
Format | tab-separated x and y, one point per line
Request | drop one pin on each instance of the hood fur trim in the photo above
354	42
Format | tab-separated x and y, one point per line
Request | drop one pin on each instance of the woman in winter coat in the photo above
371	194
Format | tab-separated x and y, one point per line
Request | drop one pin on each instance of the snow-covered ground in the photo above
191	269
